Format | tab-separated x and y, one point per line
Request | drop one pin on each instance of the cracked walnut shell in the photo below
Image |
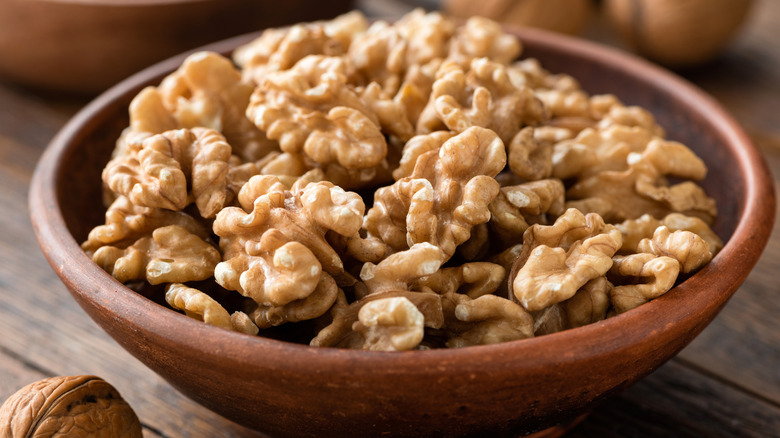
69	406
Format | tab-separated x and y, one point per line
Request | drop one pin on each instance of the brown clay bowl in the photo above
286	389
85	46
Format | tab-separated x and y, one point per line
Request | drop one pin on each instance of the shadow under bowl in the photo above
286	389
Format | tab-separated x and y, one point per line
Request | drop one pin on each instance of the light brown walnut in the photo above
390	324
197	305
594	151
557	260
125	223
386	53
310	109
488	319
68	406
446	195
302	217
279	49
628	194
401	270
348	331
472	279
643	227
520	206
481	96
530	155
639	278
588	305
174	167
417	146
206	91
480	37
690	250
311	306
171	255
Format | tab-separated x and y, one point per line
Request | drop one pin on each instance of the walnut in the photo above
206	91
471	279
643	227
517	207
690	250
480	96
639	278
594	151
126	223
530	155
488	319
417	146
386	54
397	313
483	38
398	271
588	305
280	49
200	306
557	260
446	195
171	255
390	111
681	222
311	306
158	174
68	406
310	109
390	324
641	189
302	217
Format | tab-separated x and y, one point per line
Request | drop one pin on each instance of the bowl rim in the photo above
753	227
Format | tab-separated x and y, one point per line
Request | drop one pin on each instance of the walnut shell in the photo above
72	406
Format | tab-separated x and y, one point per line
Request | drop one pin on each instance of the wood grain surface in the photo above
725	384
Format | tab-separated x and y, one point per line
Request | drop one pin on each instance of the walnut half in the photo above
73	406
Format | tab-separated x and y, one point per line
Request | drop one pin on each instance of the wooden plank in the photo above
679	401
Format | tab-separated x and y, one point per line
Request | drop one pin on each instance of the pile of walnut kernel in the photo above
257	179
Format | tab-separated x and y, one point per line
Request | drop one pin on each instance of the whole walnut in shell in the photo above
72	406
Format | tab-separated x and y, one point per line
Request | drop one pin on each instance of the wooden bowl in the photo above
85	46
286	389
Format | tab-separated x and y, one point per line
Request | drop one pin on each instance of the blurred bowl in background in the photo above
85	46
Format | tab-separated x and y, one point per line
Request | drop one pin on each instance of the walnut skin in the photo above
71	406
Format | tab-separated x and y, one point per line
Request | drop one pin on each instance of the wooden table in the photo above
725	384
